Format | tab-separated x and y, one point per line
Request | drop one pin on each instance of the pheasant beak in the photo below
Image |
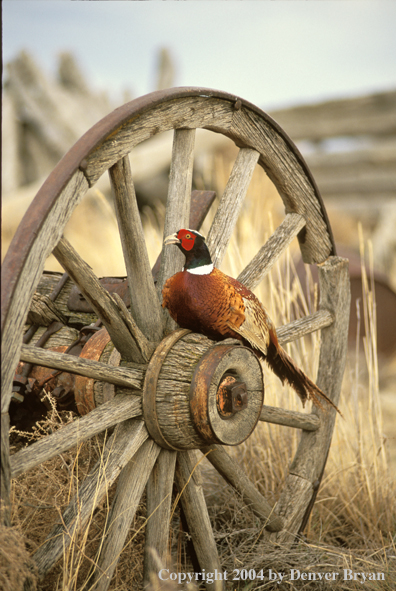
172	239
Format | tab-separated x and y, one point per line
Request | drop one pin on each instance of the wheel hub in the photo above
179	416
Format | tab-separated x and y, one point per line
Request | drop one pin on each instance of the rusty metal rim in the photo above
149	400
90	141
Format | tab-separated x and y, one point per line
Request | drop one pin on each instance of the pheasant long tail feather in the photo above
287	371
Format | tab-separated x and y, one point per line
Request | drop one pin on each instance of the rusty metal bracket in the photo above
232	397
85	334
150	387
84	387
21	384
59	383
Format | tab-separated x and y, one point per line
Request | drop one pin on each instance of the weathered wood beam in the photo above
99	298
194	506
146	347
128	437
360	173
130	488
289	418
304	326
21	269
158	505
373	114
270	252
230	204
234	475
307	467
120	376
145	306
5	474
178	203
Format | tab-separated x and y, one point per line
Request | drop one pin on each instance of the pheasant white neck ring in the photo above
201	270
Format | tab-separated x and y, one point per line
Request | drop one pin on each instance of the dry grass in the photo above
353	521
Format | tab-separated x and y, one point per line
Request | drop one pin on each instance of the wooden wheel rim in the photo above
77	171
99	149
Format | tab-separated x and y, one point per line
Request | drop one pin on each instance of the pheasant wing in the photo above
255	326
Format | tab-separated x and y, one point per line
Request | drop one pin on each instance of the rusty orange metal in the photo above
199	389
84	387
41	377
232	397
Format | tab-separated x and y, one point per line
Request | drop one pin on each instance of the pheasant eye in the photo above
188	236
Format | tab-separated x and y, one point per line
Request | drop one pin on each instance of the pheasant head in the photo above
192	244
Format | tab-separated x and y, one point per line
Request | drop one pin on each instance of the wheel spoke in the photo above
201	202
304	326
159	500
196	512
289	418
268	254
235	476
121	408
291	505
100	299
145	306
121	447
178	203
230	204
146	347
130	488
120	376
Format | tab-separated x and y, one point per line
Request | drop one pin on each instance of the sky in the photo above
271	53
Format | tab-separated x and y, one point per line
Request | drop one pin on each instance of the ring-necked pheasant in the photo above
205	300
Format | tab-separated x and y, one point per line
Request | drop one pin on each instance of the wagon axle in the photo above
232	397
189	388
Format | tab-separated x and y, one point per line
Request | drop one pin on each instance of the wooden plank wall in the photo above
349	145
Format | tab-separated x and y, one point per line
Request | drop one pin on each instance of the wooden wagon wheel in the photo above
145	451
